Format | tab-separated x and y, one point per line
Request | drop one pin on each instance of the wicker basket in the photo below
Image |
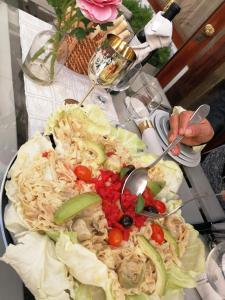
81	52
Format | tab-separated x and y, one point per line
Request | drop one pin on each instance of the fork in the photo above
155	216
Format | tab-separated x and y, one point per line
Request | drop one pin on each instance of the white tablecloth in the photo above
41	101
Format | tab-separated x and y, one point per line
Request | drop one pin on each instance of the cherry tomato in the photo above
148	196
160	206
110	153
45	154
115	237
83	173
157	233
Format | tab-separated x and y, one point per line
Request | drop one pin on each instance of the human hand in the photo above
193	135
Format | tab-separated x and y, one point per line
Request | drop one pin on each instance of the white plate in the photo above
181	161
188	161
162	136
161	125
186	151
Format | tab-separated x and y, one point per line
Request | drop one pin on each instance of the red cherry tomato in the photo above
157	233
45	154
148	196
110	153
115	237
83	173
160	206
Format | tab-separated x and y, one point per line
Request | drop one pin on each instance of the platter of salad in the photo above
72	238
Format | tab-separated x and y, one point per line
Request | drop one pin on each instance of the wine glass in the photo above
215	269
143	103
109	63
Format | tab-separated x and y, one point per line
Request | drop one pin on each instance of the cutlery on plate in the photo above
136	181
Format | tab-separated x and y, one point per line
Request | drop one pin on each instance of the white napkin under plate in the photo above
158	32
150	138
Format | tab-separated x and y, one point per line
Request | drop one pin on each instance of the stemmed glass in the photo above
215	269
143	103
109	63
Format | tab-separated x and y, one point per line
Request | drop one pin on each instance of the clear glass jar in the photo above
46	57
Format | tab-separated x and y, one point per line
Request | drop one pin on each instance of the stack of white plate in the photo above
187	156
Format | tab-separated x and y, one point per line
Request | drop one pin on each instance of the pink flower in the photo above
99	11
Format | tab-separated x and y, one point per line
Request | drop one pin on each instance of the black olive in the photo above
151	209
52	141
126	221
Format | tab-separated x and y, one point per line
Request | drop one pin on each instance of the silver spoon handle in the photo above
200	114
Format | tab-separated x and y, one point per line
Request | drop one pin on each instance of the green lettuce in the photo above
192	264
138	297
193	260
88	292
35	260
177	278
165	171
91	118
169	295
128	140
83	264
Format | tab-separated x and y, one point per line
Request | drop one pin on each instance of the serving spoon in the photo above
136	181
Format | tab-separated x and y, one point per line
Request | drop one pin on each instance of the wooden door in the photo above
201	56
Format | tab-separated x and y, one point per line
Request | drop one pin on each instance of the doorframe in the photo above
185	55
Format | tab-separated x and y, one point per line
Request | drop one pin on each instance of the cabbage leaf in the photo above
165	171
83	264
34	259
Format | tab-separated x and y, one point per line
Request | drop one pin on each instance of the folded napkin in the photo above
158	32
151	140
176	111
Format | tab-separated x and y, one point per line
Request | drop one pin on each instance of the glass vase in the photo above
46	57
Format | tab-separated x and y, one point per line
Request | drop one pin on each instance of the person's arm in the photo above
193	135
207	129
216	116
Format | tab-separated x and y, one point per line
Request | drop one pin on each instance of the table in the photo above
13	132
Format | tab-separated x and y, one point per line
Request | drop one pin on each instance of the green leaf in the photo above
79	33
89	30
105	25
124	171
139	204
79	14
141	14
85	21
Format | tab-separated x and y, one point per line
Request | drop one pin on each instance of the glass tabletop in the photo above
14	122
14	119
13	115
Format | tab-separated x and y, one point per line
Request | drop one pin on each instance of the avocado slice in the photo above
97	149
156	186
73	206
153	254
137	297
54	235
171	240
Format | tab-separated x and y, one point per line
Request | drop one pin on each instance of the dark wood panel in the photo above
177	39
197	72
192	47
